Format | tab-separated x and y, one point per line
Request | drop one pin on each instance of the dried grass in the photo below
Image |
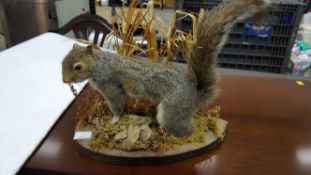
128	23
134	18
99	119
176	40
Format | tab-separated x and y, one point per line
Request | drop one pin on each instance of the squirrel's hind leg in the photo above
174	114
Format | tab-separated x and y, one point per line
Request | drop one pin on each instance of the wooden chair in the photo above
86	25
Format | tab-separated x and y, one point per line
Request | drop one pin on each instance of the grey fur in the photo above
118	77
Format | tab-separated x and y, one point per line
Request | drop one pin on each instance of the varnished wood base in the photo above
143	157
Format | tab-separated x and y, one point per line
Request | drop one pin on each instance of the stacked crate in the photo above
264	46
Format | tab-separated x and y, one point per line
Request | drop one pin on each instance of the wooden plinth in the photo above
142	157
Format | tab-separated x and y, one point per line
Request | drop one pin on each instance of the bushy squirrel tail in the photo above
212	34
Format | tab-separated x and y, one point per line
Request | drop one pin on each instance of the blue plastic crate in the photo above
265	48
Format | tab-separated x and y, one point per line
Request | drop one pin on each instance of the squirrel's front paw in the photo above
115	119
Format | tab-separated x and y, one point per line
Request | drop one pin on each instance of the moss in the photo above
99	121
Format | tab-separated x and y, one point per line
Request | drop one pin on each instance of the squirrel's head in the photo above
77	66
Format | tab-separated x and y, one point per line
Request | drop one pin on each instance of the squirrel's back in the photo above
142	78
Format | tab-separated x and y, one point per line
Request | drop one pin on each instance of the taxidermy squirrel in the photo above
178	96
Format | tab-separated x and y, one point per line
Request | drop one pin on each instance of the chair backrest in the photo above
87	27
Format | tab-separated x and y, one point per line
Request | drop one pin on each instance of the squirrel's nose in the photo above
66	80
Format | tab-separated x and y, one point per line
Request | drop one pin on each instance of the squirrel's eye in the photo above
78	67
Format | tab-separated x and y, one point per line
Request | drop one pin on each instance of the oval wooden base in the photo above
142	157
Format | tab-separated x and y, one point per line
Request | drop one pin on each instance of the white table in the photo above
32	96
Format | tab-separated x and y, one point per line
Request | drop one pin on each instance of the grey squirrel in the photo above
178	96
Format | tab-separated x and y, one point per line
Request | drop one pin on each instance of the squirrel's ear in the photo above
75	46
89	49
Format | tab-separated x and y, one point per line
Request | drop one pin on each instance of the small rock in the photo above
134	134
121	135
145	133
